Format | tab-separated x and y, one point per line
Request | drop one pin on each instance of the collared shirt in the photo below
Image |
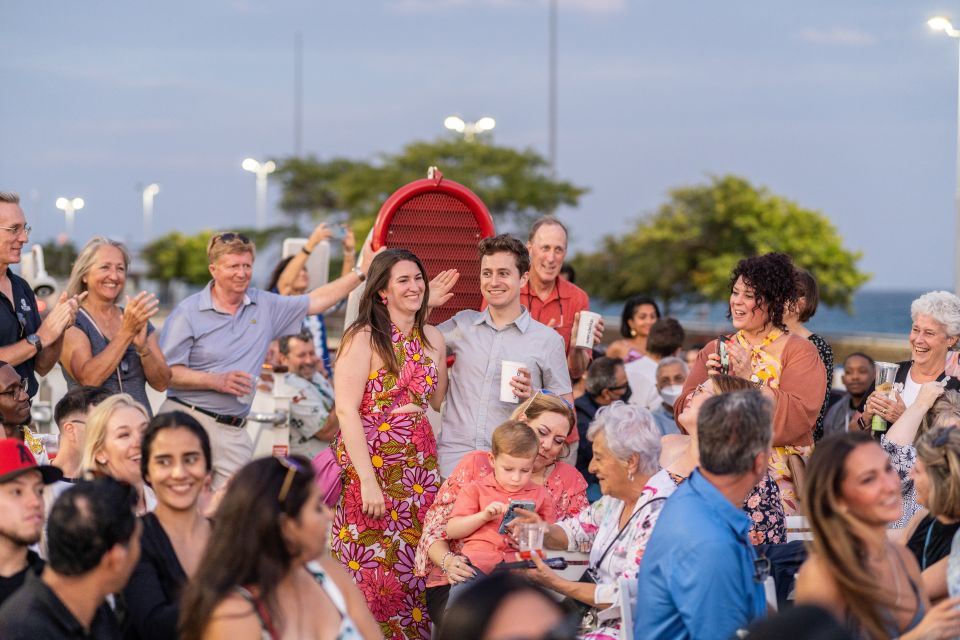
473	408
18	319
698	578
586	408
35	611
309	410
200	336
565	301
487	546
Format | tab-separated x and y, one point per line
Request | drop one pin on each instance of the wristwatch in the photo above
360	274
34	339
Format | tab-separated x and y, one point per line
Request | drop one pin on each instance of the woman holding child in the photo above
438	559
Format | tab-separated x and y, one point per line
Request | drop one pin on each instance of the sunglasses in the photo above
943	437
547	392
621	387
293	468
230	237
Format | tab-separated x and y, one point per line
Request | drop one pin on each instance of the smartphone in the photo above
510	515
724	356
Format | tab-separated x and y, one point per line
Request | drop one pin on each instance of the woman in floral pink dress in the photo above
390	366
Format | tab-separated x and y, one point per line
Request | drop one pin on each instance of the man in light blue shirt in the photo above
700	577
215	342
482	340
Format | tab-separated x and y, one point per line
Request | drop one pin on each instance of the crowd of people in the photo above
419	453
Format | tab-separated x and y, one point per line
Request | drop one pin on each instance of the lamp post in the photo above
470	130
940	23
262	170
70	206
149	193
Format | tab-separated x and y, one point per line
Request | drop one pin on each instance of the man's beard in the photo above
21	541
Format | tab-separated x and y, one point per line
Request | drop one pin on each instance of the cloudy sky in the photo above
848	108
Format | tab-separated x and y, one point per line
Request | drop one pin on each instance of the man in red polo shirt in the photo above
549	298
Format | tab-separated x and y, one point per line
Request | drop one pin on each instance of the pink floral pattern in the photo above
380	553
564	483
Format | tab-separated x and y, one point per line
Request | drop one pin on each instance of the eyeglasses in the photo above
622	387
230	237
943	437
21	386
293	468
17	229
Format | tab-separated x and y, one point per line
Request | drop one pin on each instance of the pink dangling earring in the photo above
383	299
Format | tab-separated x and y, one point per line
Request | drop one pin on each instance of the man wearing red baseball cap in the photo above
21	513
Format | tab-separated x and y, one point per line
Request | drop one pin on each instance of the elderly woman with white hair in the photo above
617	527
933	334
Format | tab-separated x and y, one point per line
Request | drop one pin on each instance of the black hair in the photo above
173	420
78	400
630	307
860	354
469	616
276	273
86	521
666	336
568	272
771	276
247	546
807	289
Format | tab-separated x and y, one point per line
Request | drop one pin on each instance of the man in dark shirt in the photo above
26	342
21	513
606	383
93	546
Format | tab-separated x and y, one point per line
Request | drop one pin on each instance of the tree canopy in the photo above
515	185
687	249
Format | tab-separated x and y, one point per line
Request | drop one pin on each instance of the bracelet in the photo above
443	562
144	353
359	273
304	249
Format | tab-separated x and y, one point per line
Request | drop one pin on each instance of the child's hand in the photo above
495	509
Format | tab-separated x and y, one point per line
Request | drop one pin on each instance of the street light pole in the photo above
149	193
262	170
70	206
470	130
940	23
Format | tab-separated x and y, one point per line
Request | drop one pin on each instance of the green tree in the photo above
58	258
688	247
515	185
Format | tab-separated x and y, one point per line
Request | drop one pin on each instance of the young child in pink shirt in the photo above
480	506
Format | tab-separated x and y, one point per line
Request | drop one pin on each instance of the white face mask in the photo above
670	393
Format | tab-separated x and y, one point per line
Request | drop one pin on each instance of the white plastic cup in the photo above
508	371
588	320
531	539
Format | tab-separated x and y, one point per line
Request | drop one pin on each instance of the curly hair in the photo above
771	276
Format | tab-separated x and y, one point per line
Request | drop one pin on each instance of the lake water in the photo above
874	312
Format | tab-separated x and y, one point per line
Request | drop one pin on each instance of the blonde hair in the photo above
84	262
542	403
515	438
96	435
943	470
218	247
944	412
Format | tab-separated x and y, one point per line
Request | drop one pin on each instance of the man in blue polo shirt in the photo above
700	576
25	342
215	342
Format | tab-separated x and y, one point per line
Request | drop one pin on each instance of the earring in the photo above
383	299
633	333
630	476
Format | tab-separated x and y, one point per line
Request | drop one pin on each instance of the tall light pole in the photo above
262	170
940	23
70	206
149	193
470	130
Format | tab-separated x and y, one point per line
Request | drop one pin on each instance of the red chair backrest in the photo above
440	221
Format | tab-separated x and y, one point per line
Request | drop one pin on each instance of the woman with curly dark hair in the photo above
784	366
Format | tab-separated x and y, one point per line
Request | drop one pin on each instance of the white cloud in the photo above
579	6
839	36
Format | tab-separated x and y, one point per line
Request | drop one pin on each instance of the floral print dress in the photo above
597	528
379	553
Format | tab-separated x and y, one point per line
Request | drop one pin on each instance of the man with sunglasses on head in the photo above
215	342
26	342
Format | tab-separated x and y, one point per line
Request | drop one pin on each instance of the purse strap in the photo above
105	339
624	528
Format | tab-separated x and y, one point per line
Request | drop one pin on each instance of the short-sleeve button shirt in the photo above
200	336
473	408
18	319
